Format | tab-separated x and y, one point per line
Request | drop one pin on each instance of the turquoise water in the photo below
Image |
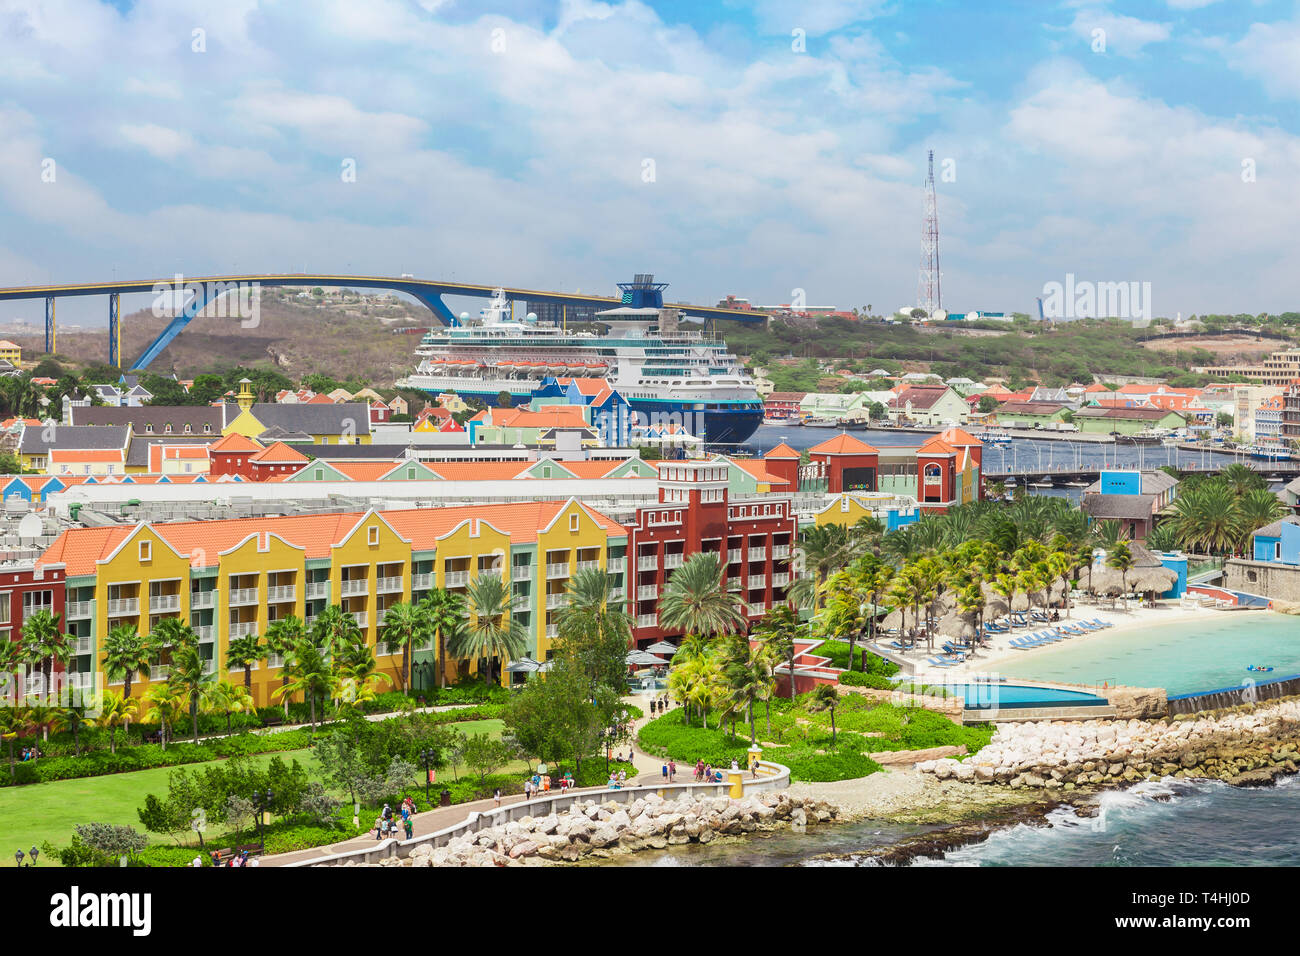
1183	657
1012	695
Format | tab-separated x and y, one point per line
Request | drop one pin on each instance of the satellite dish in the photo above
464	315
972	316
939	315
531	317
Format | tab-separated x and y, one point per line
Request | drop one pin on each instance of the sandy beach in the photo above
985	660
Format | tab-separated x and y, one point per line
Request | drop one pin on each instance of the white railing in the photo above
164	602
674	559
78	609
646	592
81	680
646	620
159	672
205	632
780	551
241	596
422	582
615	565
384	649
123	606
308	620
455	579
521	572
733	584
203	599
355	586
648	562
757	609
756	581
780	579
617	594
274	660
361	618
552	631
242	628
758	554
281	593
733	556
210	667
558	570
522	602
318	589
380	615
388	585
556	600
83	645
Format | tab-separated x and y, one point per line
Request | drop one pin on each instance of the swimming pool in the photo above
1184	657
986	696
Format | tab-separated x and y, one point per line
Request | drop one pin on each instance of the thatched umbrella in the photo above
1152	581
1020	601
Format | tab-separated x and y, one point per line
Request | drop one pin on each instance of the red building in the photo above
782	404
753	537
274	460
848	463
233	455
24	590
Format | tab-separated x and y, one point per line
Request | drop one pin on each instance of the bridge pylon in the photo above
115	330
50	334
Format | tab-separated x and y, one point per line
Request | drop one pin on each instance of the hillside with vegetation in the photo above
1022	352
339	333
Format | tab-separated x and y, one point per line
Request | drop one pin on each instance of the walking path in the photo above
431	821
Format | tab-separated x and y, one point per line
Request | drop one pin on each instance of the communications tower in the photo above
928	295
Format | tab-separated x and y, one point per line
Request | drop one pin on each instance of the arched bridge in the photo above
203	290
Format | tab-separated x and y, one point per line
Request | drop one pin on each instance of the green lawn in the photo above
32	814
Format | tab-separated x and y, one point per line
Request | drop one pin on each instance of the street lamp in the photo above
35	853
261	803
19	857
427	755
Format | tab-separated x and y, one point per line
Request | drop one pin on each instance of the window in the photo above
148	429
188	428
4	607
207	429
573	522
374	534
146	550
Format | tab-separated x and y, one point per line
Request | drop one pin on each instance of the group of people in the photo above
541	783
240	859
31	753
388	823
659	705
704	772
617	781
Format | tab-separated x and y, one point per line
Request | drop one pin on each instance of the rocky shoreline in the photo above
1244	746
591	829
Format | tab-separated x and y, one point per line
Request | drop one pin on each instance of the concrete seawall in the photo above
1247	692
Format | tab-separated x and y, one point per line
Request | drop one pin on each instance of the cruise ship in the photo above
669	375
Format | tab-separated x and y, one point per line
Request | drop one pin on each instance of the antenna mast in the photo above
928	294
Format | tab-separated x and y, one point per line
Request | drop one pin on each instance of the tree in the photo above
115	710
445	613
777	631
987	403
165	706
1121	559
493	631
484	754
224	697
127	654
45	641
189	676
13	724
243	653
561	716
594	627
309	674
824	698
695	601
282	636
405	627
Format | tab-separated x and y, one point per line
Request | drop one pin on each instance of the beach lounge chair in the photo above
1074	632
939	662
1099	622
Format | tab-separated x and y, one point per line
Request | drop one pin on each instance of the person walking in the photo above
496	797
409	825
665	773
672	770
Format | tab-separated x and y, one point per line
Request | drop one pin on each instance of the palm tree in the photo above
692	646
13	724
445	612
824	698
826	548
1121	559
40	715
1060	567
405	627
73	715
335	629
309	674
593	607
1208	517
282	636
357	677
494	631
777	631
1240	479
695	601
127	654
244	653
189	678
748	678
46	643
115	710
1257	508
224	697
166	705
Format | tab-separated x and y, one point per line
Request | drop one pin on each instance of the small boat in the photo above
1147	436
994	437
1268	452
820	423
1259	670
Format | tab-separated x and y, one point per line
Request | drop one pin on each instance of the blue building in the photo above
1279	542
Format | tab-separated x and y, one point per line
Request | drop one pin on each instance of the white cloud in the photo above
1124	35
160	142
1270	53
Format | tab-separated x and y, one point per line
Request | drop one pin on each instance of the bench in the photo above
273	720
224	856
252	849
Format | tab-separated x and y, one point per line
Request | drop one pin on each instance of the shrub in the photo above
859	679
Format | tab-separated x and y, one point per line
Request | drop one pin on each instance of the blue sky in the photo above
508	142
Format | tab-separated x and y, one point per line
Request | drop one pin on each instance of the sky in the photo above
752	148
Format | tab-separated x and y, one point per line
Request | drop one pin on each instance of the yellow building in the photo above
325	423
850	507
231	578
11	352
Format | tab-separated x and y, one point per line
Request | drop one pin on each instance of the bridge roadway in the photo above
1065	474
206	289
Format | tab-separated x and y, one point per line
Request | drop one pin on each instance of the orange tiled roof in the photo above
958	436
756	468
70	455
278	452
844	444
782	451
235	442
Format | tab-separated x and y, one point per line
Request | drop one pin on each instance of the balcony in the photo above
646	620
82	645
81	680
780	579
556	600
242	596
617	594
757	609
552	631
733	584
362	619
242	628
203	599
647	592
123	607
615	565
210	667
758	554
205	632
455	579
521	572
159	603
756	582
522	602
389	585
380	615
74	610
384	649
733	556
281	594
422	582
318	589
559	570
274	660
648	562
355	586
587	566
158	672
780	551
674	559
